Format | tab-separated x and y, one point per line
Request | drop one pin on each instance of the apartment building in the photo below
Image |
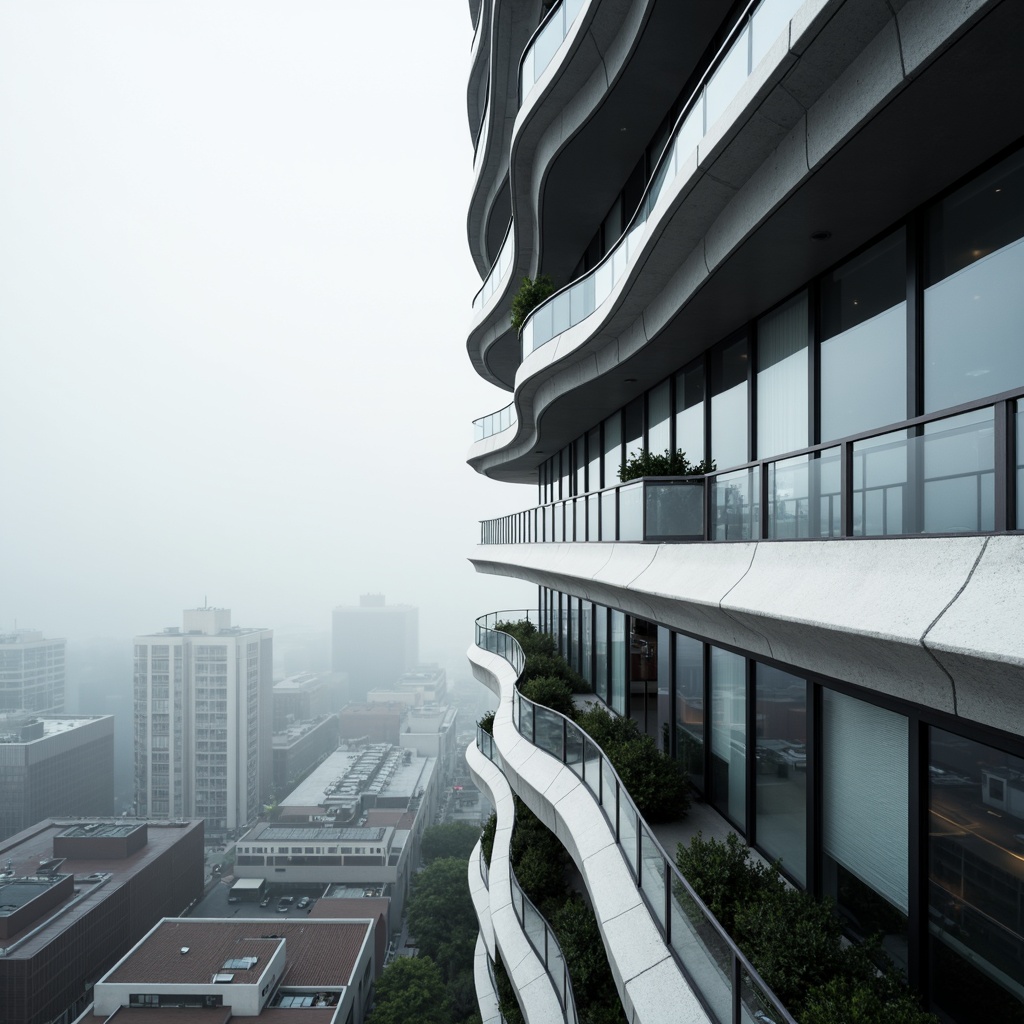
203	721
787	238
31	672
373	643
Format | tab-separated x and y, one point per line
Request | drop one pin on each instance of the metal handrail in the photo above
676	887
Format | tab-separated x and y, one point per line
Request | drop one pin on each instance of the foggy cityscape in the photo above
513	512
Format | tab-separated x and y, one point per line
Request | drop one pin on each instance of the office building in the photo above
301	697
300	746
75	896
276	971
53	765
31	672
374	643
787	239
203	721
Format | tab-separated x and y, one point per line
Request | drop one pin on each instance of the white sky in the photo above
234	296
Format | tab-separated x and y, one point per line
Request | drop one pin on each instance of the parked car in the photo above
265	902
304	902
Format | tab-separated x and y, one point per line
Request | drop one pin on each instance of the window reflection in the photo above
781	706
729	404
689	661
728	734
976	878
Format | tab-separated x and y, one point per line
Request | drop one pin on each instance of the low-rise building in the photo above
297	747
75	896
315	971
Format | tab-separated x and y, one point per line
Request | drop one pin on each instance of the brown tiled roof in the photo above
168	1015
318	953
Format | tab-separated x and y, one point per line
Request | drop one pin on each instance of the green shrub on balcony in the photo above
552	692
487	723
487	837
795	941
542	657
656	782
530	295
644	463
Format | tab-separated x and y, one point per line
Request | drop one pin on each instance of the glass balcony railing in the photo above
727	985
749	41
496	275
949	473
545	43
494	423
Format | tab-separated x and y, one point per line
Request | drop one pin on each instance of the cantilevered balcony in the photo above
671	959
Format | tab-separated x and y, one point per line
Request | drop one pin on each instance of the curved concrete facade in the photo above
650	984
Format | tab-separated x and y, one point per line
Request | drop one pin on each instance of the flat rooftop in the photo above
319	953
292	833
95	877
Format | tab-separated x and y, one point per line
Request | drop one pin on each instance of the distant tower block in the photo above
374	643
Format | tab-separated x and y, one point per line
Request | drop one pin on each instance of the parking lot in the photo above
216	903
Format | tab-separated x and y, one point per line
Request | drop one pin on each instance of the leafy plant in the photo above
487	837
411	988
487	723
530	295
644	463
455	839
552	692
724	877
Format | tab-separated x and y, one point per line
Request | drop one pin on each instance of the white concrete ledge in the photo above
486	997
651	986
529	977
932	620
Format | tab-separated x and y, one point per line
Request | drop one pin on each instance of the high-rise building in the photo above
31	672
374	643
203	721
786	238
52	764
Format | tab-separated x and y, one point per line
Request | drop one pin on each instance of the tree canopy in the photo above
442	918
411	989
453	840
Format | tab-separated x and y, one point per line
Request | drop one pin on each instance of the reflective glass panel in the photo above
631	511
864	340
865	818
973	302
803	495
727	79
689	682
586	668
729	734
658	418
781	795
601	653
612	451
729	404
689	413
674	509
594	463
975	878
782	338
1019	417
618	662
735	505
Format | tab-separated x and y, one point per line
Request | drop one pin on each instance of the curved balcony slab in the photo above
476	90
481	899
822	110
650	984
569	152
529	978
486	997
899	616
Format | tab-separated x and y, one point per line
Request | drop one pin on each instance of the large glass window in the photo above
865	817
664	737
689	663
975	878
594	464
729	404
864	340
689	409
782	338
618	662
781	705
973	300
633	426
729	734
587	641
612	456
643	674
658	418
601	653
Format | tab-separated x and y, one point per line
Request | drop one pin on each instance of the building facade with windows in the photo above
203	721
31	672
374	643
52	764
786	238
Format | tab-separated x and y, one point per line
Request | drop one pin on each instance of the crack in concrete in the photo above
949	604
725	611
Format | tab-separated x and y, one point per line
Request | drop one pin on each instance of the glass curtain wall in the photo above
865	823
781	793
619	654
689	412
689	686
973	300
729	734
782	387
729	403
659	418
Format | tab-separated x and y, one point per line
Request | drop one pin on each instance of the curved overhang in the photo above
511	26
844	108
476	90
931	620
577	137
